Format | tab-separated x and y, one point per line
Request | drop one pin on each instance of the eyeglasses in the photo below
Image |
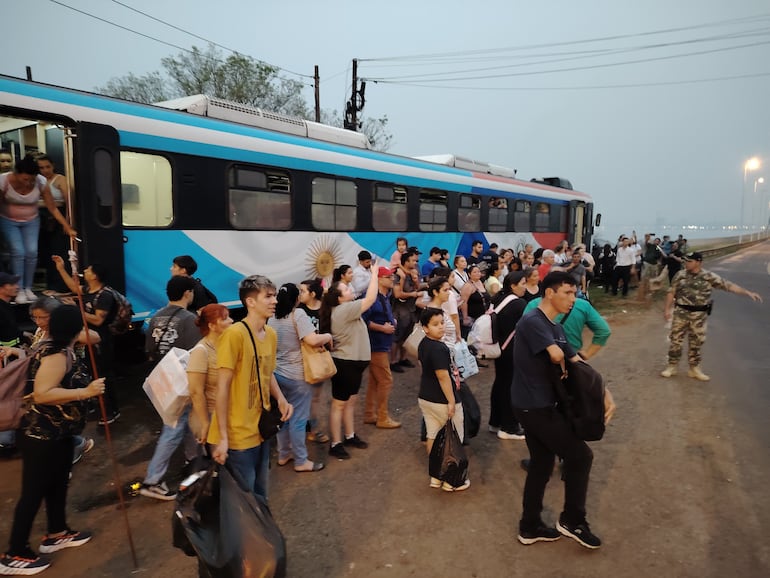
39	317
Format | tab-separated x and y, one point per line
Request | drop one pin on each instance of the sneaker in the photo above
406	363
21	297
356	442
697	373
581	533
80	451
389	423
541	533
447	487
435	483
30	295
669	371
70	539
22	565
111	419
396	368
158	491
493	429
504	435
338	451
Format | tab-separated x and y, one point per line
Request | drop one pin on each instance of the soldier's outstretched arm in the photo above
737	289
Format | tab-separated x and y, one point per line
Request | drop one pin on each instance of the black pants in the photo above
45	473
621	272
549	435
500	410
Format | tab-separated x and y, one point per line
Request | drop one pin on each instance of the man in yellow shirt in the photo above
245	384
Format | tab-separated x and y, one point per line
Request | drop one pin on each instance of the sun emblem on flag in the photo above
322	256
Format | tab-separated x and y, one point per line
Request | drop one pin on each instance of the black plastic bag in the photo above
471	411
230	529
447	461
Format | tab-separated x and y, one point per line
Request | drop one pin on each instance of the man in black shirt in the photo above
186	266
540	348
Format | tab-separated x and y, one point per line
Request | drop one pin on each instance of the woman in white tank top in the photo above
20	192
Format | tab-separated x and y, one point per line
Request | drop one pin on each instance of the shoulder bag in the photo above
270	422
316	360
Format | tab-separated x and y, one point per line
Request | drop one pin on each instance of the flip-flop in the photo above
284	462
317	467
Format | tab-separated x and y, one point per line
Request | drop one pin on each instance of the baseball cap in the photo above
8	279
694	256
384	272
364	255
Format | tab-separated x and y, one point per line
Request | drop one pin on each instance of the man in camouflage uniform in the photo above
690	301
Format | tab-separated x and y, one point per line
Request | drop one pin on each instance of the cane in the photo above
73	259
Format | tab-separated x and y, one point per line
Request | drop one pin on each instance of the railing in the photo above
725	245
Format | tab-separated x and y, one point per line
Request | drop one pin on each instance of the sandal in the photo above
316	467
318	436
286	461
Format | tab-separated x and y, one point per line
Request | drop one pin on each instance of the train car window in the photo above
563	212
498	214
543	217
469	213
259	199
521	213
389	208
433	210
103	174
334	204
146	190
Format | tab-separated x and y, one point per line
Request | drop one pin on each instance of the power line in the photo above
577	68
142	34
151	17
585	54
461	53
590	87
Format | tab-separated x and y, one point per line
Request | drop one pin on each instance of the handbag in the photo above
448	461
412	342
270	422
316	360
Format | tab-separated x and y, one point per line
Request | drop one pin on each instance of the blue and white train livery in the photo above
245	191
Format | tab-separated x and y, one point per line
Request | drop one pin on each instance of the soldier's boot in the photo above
696	372
669	371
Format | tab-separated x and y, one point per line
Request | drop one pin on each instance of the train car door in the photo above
577	219
99	207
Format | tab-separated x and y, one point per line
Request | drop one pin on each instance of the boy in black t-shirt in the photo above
438	398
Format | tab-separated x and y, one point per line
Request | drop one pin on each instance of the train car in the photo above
246	191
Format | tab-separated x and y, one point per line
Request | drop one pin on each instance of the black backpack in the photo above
581	399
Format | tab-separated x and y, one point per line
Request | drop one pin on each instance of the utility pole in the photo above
316	83
356	102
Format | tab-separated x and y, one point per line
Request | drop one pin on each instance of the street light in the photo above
759	181
750	165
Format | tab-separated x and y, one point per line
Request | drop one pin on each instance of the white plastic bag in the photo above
167	386
465	362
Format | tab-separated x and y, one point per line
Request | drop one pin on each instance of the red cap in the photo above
384	272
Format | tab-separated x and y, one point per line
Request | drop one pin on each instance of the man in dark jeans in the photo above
539	350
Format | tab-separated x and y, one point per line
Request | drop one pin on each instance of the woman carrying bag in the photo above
293	326
47	446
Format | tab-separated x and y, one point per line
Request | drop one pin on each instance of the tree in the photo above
237	78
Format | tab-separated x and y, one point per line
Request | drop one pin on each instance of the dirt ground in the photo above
665	494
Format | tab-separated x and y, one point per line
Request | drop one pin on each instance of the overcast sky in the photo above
660	146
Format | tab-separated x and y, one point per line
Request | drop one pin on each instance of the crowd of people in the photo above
364	316
645	264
